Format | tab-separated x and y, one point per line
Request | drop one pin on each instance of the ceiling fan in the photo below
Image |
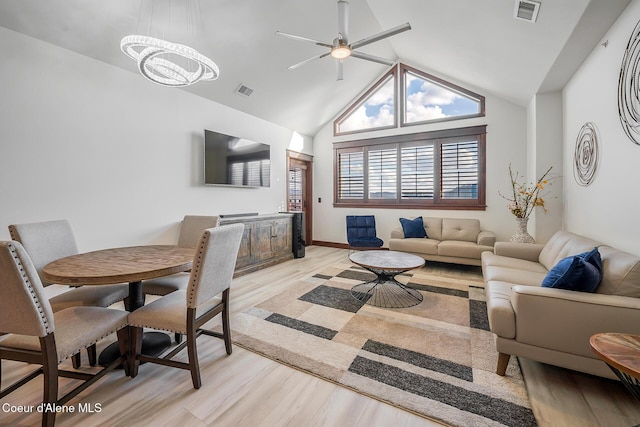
340	48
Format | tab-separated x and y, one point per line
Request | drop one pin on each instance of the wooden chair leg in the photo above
123	345
50	372
192	349
91	353
503	362
76	360
226	330
135	347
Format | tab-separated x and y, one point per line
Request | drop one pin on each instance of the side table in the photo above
621	352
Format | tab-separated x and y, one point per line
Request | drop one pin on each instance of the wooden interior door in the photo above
299	190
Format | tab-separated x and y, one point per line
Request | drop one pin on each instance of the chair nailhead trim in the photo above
16	258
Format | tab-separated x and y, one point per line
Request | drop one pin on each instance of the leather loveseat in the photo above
453	240
554	325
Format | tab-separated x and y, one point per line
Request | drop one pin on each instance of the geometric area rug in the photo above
436	359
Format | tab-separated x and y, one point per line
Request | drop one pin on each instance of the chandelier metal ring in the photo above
153	58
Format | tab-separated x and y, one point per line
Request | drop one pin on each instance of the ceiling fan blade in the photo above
304	39
373	58
299	64
343	19
383	35
339	69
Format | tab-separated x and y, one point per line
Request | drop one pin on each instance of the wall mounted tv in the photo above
239	162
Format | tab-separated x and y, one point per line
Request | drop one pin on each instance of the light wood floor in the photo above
245	389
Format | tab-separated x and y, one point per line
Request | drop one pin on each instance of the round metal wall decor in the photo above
586	156
629	88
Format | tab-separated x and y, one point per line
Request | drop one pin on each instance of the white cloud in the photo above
384	95
360	120
433	94
418	113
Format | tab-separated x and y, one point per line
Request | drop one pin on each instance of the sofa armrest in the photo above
486	238
397	233
565	320
528	251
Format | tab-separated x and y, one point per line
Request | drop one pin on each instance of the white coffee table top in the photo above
387	260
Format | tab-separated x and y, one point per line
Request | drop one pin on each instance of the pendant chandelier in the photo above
161	61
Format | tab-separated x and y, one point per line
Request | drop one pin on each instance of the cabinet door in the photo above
244	253
281	242
263	233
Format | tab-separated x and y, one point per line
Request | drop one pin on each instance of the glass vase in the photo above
522	236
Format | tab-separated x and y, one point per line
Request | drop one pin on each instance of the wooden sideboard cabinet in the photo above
267	240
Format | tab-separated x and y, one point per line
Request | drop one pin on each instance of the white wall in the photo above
607	210
544	150
116	155
506	143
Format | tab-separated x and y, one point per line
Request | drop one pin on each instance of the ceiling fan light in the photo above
340	52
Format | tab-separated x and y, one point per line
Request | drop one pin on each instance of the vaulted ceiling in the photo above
474	43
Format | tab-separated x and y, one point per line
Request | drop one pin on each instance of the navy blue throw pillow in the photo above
581	272
413	227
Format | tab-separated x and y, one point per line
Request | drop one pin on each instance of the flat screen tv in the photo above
239	162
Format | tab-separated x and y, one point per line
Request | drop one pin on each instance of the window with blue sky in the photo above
425	101
422	99
376	111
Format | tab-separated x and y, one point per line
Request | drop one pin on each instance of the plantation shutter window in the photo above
437	170
459	178
351	176
417	172
383	166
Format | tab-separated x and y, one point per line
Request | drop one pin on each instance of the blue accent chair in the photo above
361	232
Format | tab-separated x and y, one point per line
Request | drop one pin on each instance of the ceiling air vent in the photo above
244	90
526	10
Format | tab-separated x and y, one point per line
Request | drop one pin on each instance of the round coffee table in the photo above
621	352
385	291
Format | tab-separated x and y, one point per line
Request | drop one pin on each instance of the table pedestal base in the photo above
386	292
153	344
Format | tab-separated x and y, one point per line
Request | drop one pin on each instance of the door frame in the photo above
308	190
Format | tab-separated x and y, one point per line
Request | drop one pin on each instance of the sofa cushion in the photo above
580	272
564	244
416	246
620	273
433	227
491	259
413	228
460	229
461	249
515	276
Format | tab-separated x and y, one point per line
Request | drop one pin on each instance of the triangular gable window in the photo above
376	109
423	99
429	99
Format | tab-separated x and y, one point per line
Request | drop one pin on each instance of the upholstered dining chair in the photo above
191	230
51	240
186	311
35	334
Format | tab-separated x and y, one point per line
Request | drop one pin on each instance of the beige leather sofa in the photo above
554	325
453	240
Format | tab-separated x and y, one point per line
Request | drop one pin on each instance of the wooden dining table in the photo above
118	265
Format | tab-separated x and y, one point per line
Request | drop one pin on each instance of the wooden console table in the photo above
267	240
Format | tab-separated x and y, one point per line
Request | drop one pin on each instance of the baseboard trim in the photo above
343	246
330	244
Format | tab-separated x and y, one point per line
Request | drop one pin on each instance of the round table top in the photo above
387	260
621	351
118	265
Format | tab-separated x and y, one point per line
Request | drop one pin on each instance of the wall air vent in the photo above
244	90
526	10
